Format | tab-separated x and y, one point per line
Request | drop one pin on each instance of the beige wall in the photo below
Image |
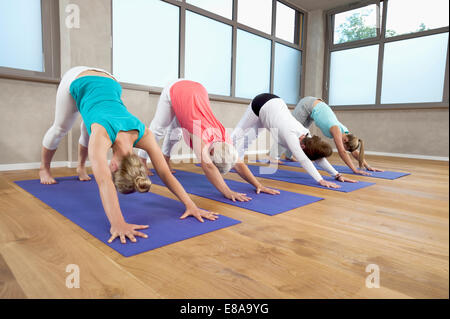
28	107
27	112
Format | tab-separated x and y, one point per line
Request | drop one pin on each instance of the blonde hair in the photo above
131	176
353	144
224	156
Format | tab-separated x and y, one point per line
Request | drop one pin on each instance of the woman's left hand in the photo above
199	213
267	190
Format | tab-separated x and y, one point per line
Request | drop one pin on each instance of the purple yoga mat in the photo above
199	185
346	170
80	202
304	179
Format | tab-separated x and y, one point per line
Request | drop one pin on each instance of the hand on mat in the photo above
328	184
360	172
124	230
199	213
373	169
267	190
346	180
234	196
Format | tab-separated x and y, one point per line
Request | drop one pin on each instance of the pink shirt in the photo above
190	102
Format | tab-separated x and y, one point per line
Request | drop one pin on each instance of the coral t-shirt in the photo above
190	102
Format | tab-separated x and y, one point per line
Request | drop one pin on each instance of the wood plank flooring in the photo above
317	251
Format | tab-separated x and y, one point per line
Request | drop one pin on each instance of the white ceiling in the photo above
310	5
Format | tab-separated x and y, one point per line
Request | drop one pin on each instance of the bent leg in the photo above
66	113
163	118
173	136
246	131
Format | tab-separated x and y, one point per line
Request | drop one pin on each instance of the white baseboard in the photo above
36	165
179	157
414	156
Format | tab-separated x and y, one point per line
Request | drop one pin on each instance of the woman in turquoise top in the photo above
311	109
107	124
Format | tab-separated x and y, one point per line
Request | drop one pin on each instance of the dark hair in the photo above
315	148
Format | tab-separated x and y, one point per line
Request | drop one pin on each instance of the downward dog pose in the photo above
271	112
107	124
184	110
311	109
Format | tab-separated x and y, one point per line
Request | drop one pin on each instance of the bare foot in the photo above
144	162
275	161
46	177
82	174
171	170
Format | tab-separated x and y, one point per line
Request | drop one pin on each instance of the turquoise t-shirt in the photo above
99	101
324	118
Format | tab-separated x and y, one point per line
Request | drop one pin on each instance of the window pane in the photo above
256	14
208	53
21	35
146	41
252	70
353	76
288	67
418	77
408	16
285	26
220	7
355	24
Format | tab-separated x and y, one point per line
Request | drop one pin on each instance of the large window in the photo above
236	48
388	53
145	48
208	61
29	38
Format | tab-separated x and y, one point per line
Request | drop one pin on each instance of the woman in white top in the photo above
271	112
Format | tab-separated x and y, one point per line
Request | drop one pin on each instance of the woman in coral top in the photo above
185	104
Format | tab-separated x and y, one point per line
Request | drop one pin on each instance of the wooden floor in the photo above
317	251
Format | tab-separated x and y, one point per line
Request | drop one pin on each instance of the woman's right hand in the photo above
328	184
234	196
123	230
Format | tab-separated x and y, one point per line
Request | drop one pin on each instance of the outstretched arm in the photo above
305	162
337	136
323	162
366	166
149	144
248	176
99	144
214	176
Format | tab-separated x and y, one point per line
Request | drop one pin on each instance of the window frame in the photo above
381	40
300	33
50	46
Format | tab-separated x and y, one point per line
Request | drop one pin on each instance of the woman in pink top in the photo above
185	104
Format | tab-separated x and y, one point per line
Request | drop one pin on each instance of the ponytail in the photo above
361	153
352	144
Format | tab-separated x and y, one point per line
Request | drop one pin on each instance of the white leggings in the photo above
66	111
165	124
